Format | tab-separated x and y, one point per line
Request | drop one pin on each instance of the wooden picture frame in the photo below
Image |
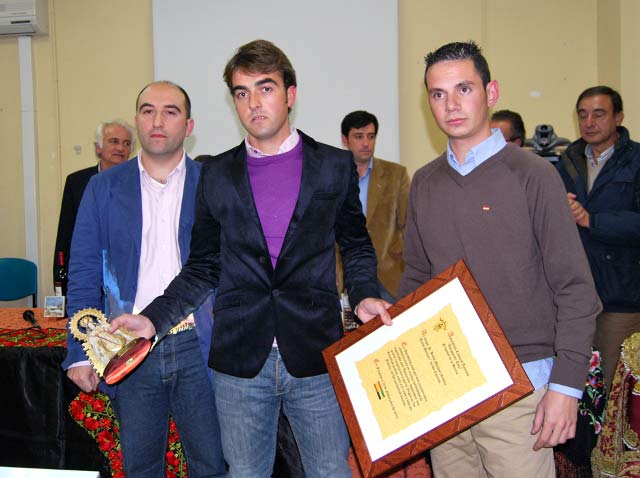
399	416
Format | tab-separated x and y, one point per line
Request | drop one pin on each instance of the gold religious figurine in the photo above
112	354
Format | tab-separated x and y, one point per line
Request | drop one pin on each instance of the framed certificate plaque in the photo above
444	365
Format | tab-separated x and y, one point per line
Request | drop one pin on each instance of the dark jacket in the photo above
612	241
297	303
74	187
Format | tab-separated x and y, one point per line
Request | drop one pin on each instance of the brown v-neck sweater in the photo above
510	221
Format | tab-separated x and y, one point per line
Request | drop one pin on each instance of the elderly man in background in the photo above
601	172
113	144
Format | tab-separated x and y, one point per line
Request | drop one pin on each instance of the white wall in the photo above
344	54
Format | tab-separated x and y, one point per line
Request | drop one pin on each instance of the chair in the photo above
18	279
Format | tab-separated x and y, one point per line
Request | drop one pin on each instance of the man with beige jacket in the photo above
384	193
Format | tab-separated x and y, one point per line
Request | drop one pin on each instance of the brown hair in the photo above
260	56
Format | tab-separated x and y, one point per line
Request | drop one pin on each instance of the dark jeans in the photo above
172	381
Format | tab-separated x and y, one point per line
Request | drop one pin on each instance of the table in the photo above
36	429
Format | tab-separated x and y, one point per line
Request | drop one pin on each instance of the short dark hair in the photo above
515	120
460	51
260	56
358	119
187	100
616	99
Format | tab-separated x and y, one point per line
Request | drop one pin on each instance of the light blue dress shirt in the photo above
364	187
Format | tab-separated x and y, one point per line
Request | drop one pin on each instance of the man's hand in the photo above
580	214
368	308
556	417
85	377
138	324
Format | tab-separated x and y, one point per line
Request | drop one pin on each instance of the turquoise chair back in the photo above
18	279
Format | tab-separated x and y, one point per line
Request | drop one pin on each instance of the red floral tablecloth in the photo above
93	412
32	337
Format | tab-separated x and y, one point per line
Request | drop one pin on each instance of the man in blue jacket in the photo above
601	172
131	239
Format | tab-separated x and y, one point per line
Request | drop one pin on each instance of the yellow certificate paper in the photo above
419	372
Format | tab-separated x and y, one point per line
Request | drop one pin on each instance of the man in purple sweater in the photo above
268	215
503	210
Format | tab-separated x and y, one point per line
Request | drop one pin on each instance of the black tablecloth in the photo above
36	429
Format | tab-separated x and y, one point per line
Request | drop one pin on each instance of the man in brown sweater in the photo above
503	210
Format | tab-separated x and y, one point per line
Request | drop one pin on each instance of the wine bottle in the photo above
60	279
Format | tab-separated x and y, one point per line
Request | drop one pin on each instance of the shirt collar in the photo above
367	174
147	177
478	154
606	154
285	147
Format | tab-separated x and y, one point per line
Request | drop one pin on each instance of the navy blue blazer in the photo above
297	303
103	271
612	240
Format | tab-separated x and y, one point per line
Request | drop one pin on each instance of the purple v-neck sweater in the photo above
275	183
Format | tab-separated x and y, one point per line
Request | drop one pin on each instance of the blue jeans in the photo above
248	410
172	381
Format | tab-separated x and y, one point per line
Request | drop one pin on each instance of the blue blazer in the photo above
103	271
297	302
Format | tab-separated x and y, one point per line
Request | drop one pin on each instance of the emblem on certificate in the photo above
113	355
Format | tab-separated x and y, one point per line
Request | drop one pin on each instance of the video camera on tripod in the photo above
546	143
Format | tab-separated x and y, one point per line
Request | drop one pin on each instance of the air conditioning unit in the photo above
23	17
